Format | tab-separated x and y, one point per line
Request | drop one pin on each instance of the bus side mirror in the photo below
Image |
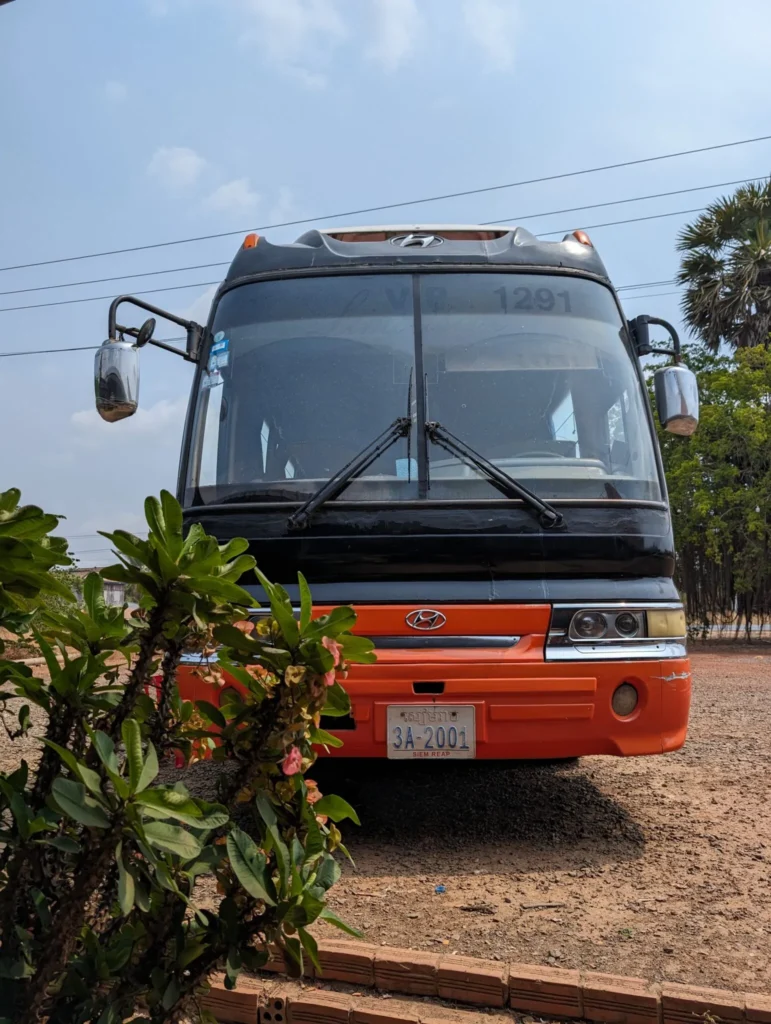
116	380
677	399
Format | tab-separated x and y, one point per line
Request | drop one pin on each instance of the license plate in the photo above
433	730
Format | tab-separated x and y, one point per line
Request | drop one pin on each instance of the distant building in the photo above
114	593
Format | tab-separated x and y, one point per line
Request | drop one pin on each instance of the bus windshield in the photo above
534	371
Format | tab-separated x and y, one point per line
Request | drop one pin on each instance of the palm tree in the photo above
726	268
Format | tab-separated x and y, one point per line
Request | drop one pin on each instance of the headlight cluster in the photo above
601	624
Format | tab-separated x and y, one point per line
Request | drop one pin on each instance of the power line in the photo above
207	284
103	298
499	220
614	223
393	206
121	277
614	202
79	348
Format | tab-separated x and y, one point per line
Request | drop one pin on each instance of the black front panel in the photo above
453	553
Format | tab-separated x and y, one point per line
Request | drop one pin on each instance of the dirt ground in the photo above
658	867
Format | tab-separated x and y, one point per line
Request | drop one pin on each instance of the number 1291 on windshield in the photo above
431	731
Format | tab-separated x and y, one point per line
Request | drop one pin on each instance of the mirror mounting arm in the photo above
195	333
641	336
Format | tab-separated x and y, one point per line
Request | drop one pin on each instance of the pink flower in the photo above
292	762
334	648
329	677
179	759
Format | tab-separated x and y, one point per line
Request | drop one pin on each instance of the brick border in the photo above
554	991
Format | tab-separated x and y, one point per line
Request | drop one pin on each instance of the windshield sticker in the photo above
211	380
219	353
406	469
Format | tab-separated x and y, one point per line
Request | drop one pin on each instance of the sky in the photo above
149	121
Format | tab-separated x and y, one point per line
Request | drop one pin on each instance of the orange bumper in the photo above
525	707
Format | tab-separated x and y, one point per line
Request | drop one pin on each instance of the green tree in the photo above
725	263
719	484
98	861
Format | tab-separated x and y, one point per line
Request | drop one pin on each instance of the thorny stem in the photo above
169	666
67	923
148	646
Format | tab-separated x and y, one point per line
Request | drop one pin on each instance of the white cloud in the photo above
116	92
233	197
293	33
176	167
397	26
493	26
162	420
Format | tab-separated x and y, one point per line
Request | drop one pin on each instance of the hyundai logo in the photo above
417	240
426	618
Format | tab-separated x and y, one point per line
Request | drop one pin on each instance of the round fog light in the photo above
590	625
627	623
624	700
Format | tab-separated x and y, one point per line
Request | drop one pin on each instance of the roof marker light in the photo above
583	238
250	242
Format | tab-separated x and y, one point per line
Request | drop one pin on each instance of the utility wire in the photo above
103	298
499	220
207	284
120	277
79	348
614	223
613	202
393	206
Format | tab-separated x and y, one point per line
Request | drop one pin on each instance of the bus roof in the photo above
413	246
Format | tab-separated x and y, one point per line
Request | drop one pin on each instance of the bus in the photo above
447	428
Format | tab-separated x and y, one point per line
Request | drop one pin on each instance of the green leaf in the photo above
314	840
126	889
164	802
172	839
336	808
306	603
193	949
61	843
93	595
281	609
338	703
132	741
211	713
310	946
84	773
250	866
265	809
71	798
328	873
106	751
358	649
325	739
333	919
149	769
41	906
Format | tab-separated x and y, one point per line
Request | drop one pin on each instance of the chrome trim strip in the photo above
641	606
594	652
439	642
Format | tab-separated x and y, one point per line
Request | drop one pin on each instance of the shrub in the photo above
99	861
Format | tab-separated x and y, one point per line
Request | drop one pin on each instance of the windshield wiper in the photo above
399	428
548	516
